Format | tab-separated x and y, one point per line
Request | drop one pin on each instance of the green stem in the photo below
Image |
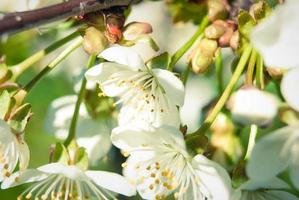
260	73
251	141
24	65
219	72
250	69
73	126
223	99
186	74
174	59
53	64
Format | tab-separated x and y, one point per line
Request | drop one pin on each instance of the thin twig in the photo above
17	21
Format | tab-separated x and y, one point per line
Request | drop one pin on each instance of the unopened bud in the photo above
201	63
208	47
135	29
214	31
114	26
217	10
224	40
235	40
274	72
94	41
95	19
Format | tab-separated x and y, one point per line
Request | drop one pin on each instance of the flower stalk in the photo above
251	67
251	142
18	69
174	59
73	126
221	102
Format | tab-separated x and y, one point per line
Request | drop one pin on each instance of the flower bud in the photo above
235	40
216	10
274	72
258	10
201	63
224	40
94	41
208	47
134	29
214	31
253	106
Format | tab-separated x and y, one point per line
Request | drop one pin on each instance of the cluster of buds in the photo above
218	9
108	28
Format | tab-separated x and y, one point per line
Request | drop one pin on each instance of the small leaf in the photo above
60	154
81	159
245	23
19	119
4	103
160	61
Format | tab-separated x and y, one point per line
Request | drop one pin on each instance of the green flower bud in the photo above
94	41
259	10
201	63
214	31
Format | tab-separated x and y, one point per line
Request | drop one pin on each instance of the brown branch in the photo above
15	22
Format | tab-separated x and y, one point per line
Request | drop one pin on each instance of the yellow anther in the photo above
151	186
123	165
157	181
17	179
28	196
153	175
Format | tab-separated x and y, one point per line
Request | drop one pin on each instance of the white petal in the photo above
103	71
6	135
253	106
214	177
69	171
21	177
270	155
276	38
280	195
127	138
124	56
294	174
274	183
112	181
172	85
289	88
24	154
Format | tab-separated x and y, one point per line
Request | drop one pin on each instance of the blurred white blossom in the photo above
13	149
289	88
275	153
148	96
253	106
61	181
92	134
160	165
273	189
23	5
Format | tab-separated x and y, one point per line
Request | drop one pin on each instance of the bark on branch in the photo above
15	22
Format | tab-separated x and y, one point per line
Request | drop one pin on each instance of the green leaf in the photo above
19	119
81	159
4	103
160	61
245	23
60	154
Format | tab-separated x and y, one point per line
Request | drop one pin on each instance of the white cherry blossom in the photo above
273	189
160	165
92	134
13	149
253	106
61	181
275	153
148	96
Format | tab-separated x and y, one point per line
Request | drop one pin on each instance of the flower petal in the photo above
289	88
270	155
172	85
273	183
24	154
294	175
276	38
124	56
21	177
69	171
280	195
127	138
112	181
215	178
6	135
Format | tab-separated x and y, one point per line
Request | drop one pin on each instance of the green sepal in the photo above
60	154
81	159
141	39
239	174
5	102
197	144
160	61
245	24
20	117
